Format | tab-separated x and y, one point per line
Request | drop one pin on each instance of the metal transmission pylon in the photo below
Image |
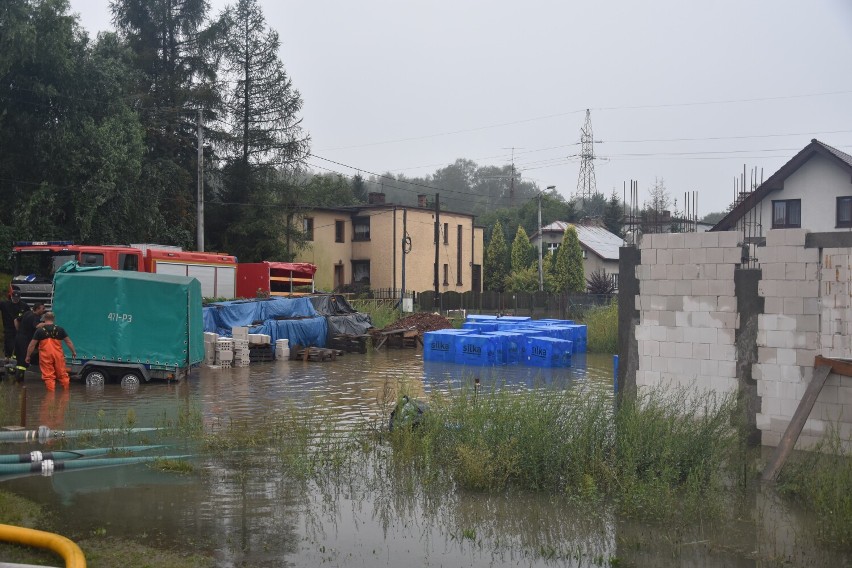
586	186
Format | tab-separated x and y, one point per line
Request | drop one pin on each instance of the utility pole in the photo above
540	243
437	238
406	248
200	208
540	238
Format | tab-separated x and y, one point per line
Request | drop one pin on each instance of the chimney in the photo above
422	200
376	198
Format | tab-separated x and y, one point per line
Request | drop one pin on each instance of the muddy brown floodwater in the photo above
256	516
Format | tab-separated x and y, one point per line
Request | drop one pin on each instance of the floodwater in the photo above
256	516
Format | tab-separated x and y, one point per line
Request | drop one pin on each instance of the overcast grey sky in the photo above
684	91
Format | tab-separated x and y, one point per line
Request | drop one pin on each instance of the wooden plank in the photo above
838	366
797	423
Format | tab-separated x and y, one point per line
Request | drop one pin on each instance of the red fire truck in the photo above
35	262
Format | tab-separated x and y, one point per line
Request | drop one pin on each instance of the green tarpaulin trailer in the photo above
130	326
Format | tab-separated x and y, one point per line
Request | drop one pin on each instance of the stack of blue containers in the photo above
508	340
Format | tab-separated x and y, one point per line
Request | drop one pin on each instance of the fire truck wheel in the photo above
95	377
130	380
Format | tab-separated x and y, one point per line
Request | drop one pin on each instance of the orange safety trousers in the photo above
51	359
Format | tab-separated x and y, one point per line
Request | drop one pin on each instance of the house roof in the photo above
597	239
776	180
365	206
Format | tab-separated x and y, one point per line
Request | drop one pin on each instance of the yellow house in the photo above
388	246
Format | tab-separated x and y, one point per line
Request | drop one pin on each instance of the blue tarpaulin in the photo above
307	327
310	331
245	313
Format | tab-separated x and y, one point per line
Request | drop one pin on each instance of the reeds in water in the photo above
655	451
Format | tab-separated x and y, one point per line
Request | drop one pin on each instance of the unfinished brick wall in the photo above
688	310
689	318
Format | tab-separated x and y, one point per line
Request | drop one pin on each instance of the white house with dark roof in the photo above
812	191
600	247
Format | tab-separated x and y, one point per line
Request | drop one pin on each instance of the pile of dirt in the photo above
422	321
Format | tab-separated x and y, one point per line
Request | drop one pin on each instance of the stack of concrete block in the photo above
224	352
240	336
259	339
210	348
241	353
688	310
282	349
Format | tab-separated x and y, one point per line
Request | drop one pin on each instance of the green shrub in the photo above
602	328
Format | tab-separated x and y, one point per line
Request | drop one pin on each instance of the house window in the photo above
360	228
551	247
339	235
446	275
614	280
787	214
584	254
308	228
446	233
844	211
361	272
459	255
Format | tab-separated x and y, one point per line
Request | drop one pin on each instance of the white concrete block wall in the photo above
689	317
805	314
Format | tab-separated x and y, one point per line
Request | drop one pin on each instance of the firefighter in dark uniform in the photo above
11	308
27	325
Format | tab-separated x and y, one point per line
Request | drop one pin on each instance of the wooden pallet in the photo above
350	343
399	338
300	353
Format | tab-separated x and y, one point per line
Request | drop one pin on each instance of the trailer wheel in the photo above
95	378
130	380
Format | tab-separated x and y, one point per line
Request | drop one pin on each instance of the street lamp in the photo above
540	239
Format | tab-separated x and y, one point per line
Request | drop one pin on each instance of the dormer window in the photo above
787	214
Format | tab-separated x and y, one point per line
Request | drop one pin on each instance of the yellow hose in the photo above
62	546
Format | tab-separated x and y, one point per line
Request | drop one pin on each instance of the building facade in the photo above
812	191
386	246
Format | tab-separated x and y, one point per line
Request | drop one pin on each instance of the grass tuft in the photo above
822	481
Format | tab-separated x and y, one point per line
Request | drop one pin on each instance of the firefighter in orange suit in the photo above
48	339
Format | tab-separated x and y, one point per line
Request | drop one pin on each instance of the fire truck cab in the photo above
34	264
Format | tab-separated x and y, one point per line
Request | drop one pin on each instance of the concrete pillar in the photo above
628	318
749	304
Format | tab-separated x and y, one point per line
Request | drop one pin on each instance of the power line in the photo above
580	111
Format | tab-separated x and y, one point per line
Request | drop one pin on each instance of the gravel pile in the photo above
422	321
